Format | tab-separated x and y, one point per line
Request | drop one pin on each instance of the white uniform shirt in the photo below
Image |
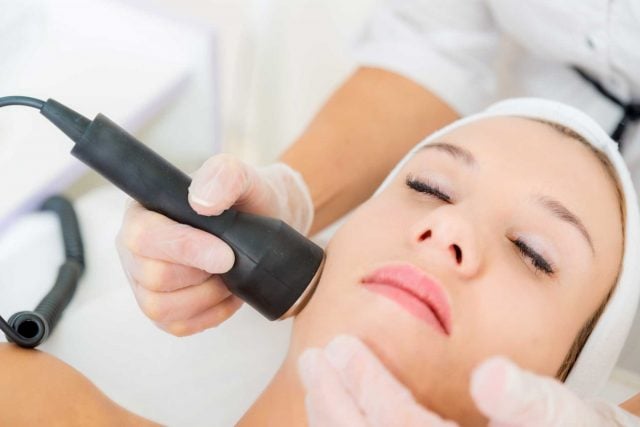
473	52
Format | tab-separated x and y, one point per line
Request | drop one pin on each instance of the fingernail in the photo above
219	259
308	366
511	380
340	350
203	189
492	380
200	201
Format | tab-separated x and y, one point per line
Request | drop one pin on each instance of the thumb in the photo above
382	398
220	183
508	395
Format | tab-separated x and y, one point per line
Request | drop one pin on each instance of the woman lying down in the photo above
503	240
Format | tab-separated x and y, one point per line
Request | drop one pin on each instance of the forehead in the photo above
523	149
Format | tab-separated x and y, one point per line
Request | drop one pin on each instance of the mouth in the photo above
416	292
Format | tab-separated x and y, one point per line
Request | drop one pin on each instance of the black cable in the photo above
30	328
72	239
21	100
9	332
69	273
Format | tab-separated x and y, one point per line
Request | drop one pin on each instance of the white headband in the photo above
600	353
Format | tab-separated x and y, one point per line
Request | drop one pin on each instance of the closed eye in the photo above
427	187
432	189
537	261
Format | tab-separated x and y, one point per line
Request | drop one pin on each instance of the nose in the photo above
446	235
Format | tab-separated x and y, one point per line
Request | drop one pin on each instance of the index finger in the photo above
508	394
327	402
384	400
153	235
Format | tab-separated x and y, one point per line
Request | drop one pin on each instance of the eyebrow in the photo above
561	212
453	150
552	205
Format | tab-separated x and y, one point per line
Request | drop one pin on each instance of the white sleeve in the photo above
449	47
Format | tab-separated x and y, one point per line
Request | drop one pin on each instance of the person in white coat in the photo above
423	64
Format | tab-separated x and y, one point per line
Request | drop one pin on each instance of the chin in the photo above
419	356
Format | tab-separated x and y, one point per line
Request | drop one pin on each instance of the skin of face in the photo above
500	304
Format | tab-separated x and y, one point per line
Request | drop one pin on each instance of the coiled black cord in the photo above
30	328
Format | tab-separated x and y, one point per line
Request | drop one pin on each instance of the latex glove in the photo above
346	385
275	190
174	268
511	396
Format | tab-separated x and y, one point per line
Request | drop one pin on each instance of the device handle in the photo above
274	263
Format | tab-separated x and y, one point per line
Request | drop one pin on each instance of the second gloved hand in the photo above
347	385
173	268
513	397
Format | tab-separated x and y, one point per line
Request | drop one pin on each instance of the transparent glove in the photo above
275	190
510	396
347	386
174	268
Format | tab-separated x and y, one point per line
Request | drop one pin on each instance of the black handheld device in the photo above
275	267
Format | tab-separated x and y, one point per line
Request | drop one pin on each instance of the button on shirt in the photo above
472	53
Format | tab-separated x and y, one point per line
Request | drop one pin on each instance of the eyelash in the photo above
538	262
427	187
432	189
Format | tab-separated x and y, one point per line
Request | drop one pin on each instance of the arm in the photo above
38	389
422	64
632	405
359	135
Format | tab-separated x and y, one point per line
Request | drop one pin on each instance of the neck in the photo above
281	403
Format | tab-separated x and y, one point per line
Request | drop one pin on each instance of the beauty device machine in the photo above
275	267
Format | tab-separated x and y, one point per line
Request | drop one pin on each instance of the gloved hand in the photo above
510	396
173	268
347	385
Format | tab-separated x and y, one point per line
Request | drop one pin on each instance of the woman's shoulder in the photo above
37	388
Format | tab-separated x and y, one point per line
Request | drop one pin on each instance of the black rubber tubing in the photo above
31	328
71	270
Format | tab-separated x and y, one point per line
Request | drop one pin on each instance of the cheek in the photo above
362	240
529	322
375	227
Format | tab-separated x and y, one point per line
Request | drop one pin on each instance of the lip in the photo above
415	291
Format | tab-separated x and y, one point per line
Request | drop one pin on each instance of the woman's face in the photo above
504	238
